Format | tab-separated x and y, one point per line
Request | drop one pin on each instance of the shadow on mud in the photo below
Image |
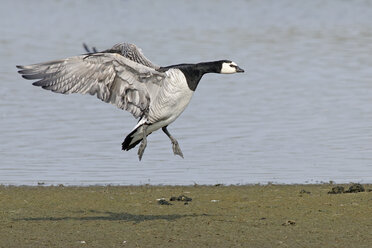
111	216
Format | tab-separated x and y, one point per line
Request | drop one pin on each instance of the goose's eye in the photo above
231	65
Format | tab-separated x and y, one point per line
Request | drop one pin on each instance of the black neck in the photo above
194	72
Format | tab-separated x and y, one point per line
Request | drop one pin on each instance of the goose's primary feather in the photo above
124	77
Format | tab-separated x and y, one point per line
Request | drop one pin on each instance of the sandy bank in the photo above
217	216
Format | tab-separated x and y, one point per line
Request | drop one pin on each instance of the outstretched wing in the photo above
130	51
112	77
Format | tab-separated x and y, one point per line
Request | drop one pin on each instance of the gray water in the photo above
301	112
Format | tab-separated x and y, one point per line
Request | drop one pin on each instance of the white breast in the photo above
171	100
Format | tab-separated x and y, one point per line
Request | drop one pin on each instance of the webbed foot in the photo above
176	148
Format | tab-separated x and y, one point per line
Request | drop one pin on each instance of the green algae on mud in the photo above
223	216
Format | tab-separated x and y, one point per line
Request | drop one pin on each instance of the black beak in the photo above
238	69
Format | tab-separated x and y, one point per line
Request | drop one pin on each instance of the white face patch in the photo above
228	68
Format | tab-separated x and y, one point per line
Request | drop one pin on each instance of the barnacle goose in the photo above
124	77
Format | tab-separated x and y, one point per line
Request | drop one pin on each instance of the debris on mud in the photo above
337	190
289	223
180	198
163	202
355	188
305	192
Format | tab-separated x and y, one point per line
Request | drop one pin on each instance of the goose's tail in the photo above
135	137
131	141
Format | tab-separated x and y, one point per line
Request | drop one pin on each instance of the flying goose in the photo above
124	77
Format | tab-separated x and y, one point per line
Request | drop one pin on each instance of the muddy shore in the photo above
196	216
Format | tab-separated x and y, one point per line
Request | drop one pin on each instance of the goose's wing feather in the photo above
112	77
133	53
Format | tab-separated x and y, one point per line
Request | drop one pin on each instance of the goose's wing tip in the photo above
85	46
21	70
88	50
